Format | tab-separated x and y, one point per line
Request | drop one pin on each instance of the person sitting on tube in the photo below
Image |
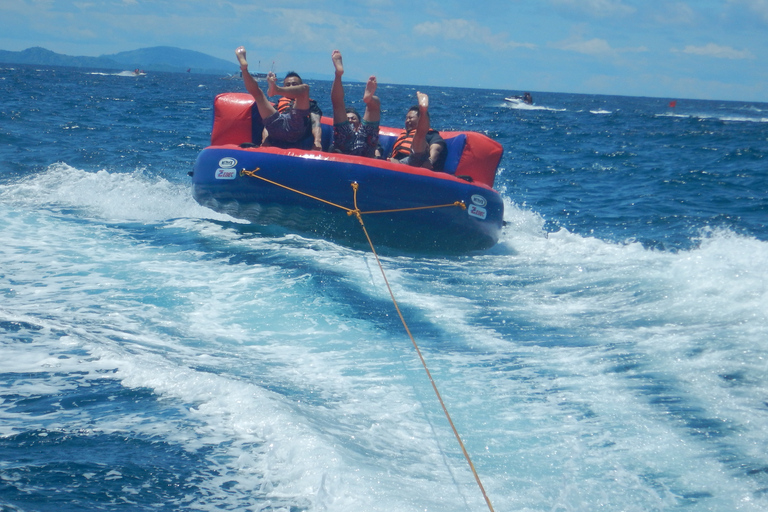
285	125
419	145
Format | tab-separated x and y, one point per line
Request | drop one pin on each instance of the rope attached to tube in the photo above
359	214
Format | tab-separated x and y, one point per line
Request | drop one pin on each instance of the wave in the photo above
718	117
119	73
112	196
280	362
722	279
525	106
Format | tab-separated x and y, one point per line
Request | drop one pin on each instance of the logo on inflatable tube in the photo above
479	200
477	211
226	170
226	174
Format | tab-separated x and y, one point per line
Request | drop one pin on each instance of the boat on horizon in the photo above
524	99
239	76
135	72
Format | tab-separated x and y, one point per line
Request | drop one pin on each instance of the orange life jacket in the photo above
284	104
403	145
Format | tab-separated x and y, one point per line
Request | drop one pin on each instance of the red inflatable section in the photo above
233	124
480	158
232	120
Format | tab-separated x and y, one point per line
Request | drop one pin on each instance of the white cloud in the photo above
25	7
714	50
595	46
591	47
468	31
299	29
758	7
597	8
678	13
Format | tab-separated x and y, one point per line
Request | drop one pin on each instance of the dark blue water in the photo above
609	353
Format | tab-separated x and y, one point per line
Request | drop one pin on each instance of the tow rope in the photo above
359	214
350	211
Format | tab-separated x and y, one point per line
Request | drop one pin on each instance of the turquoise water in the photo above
608	354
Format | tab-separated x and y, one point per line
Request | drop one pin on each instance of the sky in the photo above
696	49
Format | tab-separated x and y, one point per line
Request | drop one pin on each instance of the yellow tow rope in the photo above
350	211
359	214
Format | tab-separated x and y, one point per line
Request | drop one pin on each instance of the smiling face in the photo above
411	120
353	119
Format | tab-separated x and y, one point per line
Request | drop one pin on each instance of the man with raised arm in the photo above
351	135
419	145
288	126
313	128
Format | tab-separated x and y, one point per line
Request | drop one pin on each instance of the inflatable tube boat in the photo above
330	195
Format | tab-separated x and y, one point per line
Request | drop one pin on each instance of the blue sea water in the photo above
610	353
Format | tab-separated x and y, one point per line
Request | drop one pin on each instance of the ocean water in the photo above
610	353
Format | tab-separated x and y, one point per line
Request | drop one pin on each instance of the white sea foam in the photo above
107	195
525	106
119	73
719	117
220	336
285	357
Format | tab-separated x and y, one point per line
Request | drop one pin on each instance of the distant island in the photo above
158	58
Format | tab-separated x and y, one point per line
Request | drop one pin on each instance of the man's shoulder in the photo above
314	107
434	137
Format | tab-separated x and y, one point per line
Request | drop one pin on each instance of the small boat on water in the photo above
135	72
330	194
239	76
526	99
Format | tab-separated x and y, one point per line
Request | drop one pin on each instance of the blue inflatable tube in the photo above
321	193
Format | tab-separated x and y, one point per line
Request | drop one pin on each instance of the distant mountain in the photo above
159	58
42	57
167	58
